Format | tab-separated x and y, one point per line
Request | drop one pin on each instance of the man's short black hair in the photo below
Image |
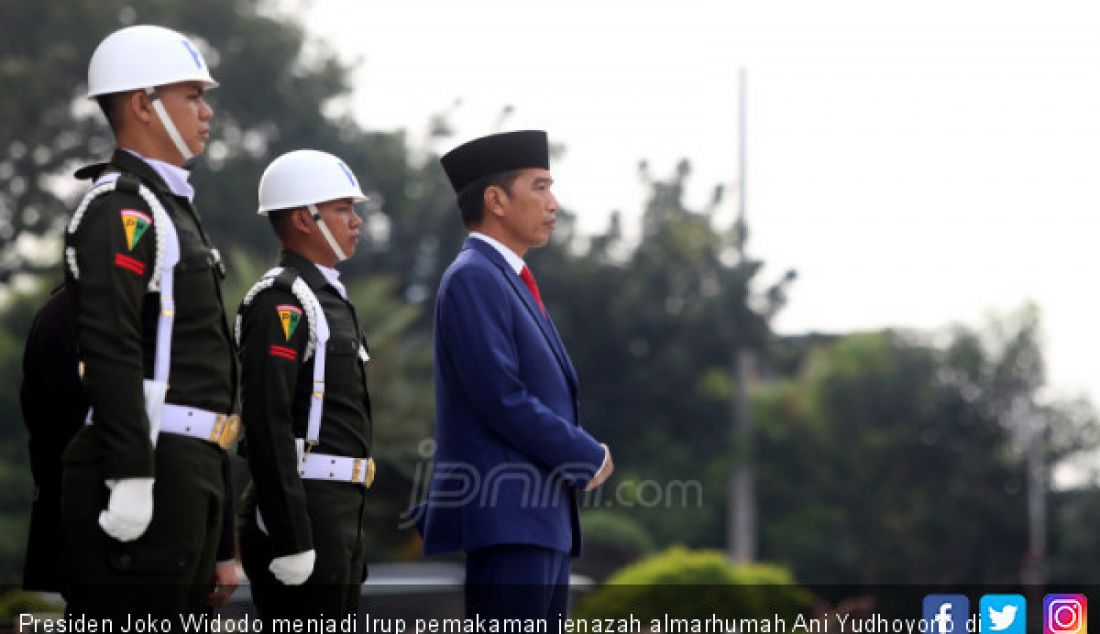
109	104
471	200
280	221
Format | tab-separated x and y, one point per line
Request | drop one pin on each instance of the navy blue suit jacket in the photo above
510	454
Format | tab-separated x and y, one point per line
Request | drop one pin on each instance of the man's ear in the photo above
140	107
494	200
301	221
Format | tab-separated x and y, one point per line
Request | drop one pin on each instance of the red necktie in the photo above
529	280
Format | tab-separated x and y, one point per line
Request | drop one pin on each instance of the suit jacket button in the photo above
124	561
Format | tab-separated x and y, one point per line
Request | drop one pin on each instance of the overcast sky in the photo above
919	164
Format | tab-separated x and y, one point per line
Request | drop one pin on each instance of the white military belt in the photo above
220	429
319	466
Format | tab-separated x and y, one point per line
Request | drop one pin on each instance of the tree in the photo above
276	95
650	327
887	459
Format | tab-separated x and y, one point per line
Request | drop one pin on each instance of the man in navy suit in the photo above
510	454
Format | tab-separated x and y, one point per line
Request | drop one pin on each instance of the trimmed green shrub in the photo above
682	583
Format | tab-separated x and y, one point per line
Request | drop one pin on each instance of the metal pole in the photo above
743	494
1034	568
741	522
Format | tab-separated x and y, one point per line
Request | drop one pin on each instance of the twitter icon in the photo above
1003	614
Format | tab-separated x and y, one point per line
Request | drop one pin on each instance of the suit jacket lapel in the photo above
570	371
524	294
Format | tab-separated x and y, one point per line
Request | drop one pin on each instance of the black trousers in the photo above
336	512
169	569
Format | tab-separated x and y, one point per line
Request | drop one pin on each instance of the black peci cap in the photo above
494	154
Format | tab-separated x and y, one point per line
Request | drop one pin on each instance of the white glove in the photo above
293	570
129	509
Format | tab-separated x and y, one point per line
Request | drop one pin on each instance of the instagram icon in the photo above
1065	614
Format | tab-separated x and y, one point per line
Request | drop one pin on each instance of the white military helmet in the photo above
303	178
145	56
306	177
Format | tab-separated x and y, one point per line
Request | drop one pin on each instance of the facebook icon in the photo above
945	613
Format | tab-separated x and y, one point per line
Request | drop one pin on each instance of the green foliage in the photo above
399	372
608	526
696	584
1074	548
887	459
651	331
15	602
611	540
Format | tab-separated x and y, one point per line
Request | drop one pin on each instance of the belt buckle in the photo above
226	429
357	471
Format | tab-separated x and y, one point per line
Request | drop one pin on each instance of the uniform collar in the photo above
175	177
123	161
306	268
332	276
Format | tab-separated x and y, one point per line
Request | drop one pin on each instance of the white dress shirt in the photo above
332	276
510	256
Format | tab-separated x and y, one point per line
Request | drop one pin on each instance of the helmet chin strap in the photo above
340	255
189	158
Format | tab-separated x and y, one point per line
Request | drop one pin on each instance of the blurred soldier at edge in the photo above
144	485
306	409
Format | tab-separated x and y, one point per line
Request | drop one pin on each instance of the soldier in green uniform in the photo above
144	483
305	405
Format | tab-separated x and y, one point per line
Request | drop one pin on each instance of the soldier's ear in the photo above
301	221
139	107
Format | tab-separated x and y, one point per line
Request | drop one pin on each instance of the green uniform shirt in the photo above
275	391
117	319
